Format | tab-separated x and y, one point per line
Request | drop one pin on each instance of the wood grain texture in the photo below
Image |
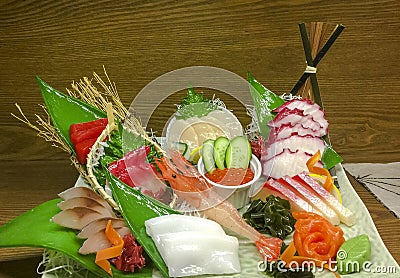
137	41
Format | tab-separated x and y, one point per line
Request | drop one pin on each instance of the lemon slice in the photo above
195	155
334	191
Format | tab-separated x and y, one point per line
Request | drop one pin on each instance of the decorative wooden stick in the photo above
314	53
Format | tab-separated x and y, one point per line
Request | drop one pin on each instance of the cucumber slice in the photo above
207	153
238	154
220	146
182	148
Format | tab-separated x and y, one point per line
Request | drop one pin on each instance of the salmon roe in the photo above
231	176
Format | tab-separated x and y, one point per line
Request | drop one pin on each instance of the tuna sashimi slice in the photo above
287	130
312	198
286	163
308	144
297	202
134	169
346	216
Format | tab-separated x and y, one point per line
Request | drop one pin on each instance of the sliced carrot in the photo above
289	252
319	170
102	256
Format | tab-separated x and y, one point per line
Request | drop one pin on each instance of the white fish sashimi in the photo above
99	225
85	192
87	203
346	216
307	144
177	223
312	198
76	218
99	241
286	163
191	253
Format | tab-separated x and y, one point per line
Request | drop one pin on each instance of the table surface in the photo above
137	42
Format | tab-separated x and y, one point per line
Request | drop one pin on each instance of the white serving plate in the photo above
381	259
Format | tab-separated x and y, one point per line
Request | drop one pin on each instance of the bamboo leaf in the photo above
65	110
34	228
136	208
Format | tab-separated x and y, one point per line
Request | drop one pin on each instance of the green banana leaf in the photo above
264	102
35	229
136	208
65	110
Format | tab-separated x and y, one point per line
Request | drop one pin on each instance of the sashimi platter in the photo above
209	198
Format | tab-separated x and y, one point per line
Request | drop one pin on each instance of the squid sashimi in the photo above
312	198
99	225
76	218
346	216
190	186
195	253
178	223
191	245
307	144
297	203
99	241
136	171
87	203
286	163
85	192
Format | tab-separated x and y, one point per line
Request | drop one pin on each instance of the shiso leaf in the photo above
65	110
34	228
264	102
353	254
136	208
194	105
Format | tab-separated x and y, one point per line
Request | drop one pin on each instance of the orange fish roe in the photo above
231	176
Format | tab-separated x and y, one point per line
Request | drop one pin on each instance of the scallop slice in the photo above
99	241
81	191
86	203
76	218
99	225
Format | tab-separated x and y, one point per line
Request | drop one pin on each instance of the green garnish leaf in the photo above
136	208
264	102
272	216
353	254
330	157
193	97
65	110
194	105
34	228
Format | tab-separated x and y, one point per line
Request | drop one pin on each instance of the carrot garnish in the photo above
319	170
102	256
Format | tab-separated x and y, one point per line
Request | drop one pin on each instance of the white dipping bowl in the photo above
240	193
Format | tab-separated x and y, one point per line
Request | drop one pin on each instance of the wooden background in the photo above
137	41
